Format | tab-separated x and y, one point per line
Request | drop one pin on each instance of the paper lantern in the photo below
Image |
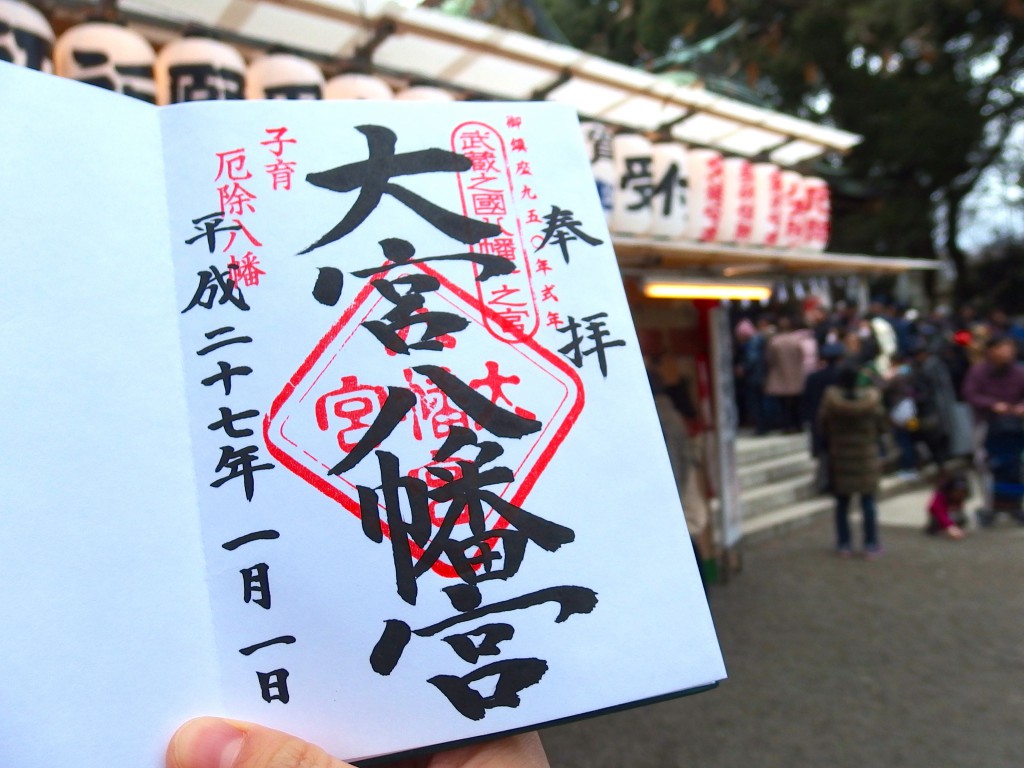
767	205
794	211
737	219
26	38
425	93
819	213
668	210
109	56
704	207
198	69
357	86
597	138
283	76
631	205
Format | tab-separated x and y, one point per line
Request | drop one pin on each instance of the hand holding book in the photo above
209	742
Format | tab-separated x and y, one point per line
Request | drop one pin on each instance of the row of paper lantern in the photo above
187	69
660	190
666	191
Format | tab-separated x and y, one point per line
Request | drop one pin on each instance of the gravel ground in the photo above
915	659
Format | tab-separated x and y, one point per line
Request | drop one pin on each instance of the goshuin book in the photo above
325	415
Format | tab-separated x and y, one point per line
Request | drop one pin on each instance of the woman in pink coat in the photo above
786	360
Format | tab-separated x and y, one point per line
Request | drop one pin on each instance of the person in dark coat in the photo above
853	420
814	392
935	401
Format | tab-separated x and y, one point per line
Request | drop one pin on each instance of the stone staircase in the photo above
776	475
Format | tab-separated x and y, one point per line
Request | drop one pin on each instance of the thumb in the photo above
209	742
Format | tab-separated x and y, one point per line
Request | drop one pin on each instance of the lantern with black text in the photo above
631	210
669	191
597	137
424	93
109	56
283	76
26	38
354	85
199	69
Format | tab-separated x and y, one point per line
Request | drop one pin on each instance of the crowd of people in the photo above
889	389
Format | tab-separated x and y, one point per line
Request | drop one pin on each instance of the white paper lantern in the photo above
631	206
669	171
737	220
767	205
794	211
26	38
283	76
424	93
819	213
109	56
358	86
198	69
597	137
705	193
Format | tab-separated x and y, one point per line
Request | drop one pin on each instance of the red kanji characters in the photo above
246	271
232	163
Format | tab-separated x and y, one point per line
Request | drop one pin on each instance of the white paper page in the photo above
311	579
106	640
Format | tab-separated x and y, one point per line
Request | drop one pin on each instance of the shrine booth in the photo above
685	303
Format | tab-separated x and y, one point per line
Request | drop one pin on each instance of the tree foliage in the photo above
934	86
997	278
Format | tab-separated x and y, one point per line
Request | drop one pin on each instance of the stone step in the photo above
780	494
773	522
761	473
778	521
750	450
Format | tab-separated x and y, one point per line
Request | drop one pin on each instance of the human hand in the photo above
209	742
1000	408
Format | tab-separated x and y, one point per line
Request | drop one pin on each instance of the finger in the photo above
209	742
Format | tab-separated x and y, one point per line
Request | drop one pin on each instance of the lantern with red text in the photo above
794	211
736	223
705	193
767	204
819	213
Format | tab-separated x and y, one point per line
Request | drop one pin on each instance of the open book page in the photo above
435	500
106	642
329	416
